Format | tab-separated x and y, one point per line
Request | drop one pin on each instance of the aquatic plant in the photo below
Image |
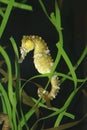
12	93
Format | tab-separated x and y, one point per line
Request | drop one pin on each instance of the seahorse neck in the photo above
39	46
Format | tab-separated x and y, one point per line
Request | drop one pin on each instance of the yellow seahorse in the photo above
42	60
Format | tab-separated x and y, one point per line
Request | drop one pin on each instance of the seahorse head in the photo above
26	46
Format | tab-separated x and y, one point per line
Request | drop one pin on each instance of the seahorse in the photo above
42	60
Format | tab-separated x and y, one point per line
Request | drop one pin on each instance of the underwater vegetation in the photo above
20	110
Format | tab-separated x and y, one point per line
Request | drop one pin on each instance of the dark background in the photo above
74	23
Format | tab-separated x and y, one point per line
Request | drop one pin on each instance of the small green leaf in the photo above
8	63
5	19
57	15
52	17
69	64
43	7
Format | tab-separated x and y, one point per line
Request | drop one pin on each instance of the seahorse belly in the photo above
42	59
43	63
